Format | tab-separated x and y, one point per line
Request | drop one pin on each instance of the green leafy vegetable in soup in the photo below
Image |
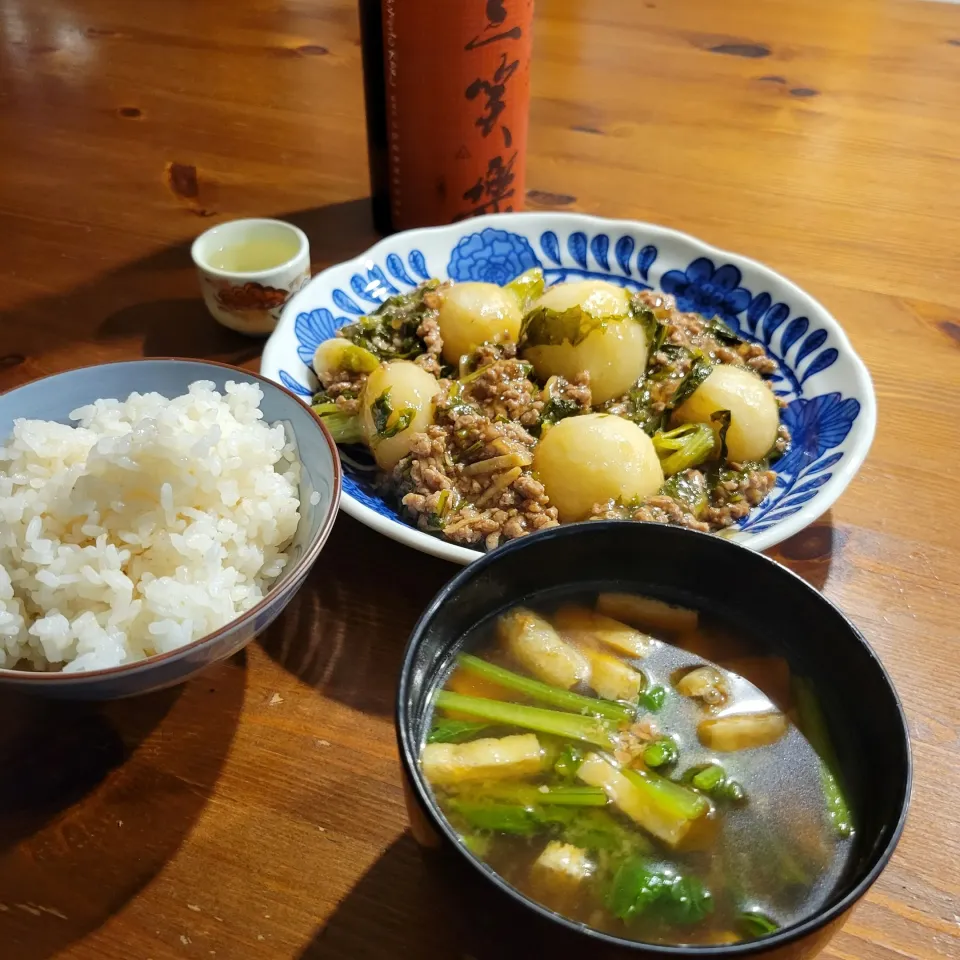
653	699
639	887
662	752
615	811
712	780
446	730
814	725
754	924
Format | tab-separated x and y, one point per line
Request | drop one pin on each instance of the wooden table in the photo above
257	811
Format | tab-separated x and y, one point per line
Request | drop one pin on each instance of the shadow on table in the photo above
153	306
344	633
412	904
812	552
96	798
401	907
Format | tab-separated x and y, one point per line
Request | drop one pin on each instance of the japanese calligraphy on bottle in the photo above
457	77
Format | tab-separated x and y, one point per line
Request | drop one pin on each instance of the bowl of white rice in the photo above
155	515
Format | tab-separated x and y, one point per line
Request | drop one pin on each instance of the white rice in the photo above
151	523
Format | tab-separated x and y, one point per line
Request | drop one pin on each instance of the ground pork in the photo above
663	509
631	743
734	498
429	332
491	352
738	491
343	388
576	391
690	330
655	509
446	483
783	439
502	388
755	357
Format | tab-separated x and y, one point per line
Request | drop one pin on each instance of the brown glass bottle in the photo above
447	89
375	98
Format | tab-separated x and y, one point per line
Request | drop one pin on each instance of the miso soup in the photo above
635	767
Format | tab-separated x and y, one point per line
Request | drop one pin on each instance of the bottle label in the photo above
457	76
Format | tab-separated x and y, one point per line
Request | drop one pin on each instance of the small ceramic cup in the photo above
248	270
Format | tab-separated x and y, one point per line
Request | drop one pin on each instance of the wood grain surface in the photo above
257	811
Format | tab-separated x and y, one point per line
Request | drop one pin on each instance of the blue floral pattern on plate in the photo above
709	291
557	269
493	256
819	421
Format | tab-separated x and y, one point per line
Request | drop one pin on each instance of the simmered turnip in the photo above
586	326
754	414
589	459
338	353
397	404
476	313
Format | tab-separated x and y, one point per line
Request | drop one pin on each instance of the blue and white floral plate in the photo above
831	408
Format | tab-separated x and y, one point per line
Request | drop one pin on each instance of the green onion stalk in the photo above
572	726
544	693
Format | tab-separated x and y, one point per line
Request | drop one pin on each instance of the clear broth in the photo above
778	854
